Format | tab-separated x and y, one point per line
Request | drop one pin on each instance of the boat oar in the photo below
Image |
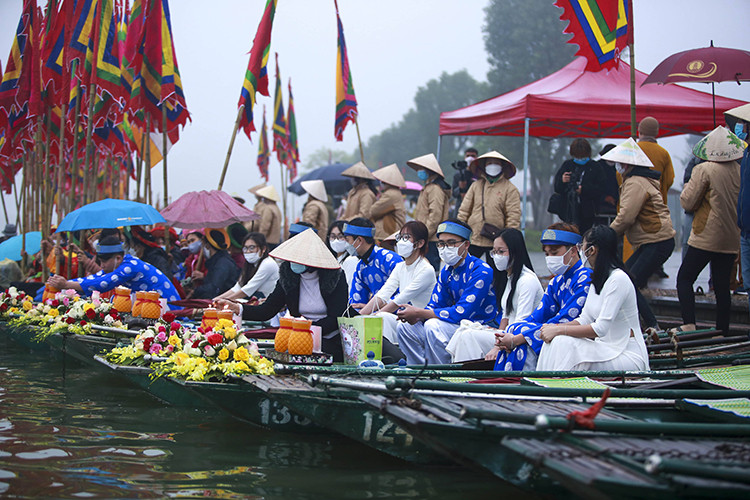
655	464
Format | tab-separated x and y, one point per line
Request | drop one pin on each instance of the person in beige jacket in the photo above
315	211
643	217
433	203
269	224
388	212
711	194
492	202
361	196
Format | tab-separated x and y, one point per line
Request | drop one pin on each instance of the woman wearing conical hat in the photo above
362	195
388	212
711	194
643	217
311	284
315	211
269	224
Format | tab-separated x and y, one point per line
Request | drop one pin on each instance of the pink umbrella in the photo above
412	186
199	209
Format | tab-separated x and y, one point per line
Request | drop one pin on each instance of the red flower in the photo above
168	317
90	313
114	314
162	329
147	343
215	338
83	322
55	303
175	325
201	330
69	320
3	307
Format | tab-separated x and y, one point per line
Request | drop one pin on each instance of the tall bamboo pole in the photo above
359	138
89	160
147	193
164	149
46	203
631	46
231	146
5	209
139	169
74	163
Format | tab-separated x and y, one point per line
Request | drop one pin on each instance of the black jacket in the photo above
158	258
221	275
591	179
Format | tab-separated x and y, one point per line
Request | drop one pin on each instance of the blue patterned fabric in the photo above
562	302
371	274
465	292
134	274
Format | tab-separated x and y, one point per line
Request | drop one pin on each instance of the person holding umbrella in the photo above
362	195
315	211
388	212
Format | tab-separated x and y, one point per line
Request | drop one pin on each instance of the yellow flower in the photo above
180	358
230	332
27	305
87	306
174	340
241	354
53	312
223	354
225	323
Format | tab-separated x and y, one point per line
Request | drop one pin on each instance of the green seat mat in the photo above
731	377
720	408
566	383
458	380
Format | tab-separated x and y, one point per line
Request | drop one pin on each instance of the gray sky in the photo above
395	46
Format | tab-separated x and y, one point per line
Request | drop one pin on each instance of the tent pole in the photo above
526	122
440	143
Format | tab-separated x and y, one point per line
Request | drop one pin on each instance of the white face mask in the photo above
501	262
206	253
338	246
351	249
556	263
405	248
449	255
468	160
584	259
620	168
493	170
252	257
194	247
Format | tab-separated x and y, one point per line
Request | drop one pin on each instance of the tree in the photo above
524	41
325	156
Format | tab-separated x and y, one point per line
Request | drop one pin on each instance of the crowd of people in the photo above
454	289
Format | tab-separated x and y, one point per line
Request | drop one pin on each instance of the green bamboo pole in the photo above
730	471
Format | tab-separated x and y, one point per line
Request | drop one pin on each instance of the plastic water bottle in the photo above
402	366
371	362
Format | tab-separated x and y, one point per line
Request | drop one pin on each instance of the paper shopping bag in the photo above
360	335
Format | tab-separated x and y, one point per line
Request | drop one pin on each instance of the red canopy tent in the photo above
573	102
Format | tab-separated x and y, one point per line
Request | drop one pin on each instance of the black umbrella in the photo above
336	184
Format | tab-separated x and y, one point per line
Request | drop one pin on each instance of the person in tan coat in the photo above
361	196
433	203
643	217
388	212
315	211
269	224
711	194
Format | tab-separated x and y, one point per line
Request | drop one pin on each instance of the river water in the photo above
74	431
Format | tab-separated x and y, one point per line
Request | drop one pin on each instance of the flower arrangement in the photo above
13	302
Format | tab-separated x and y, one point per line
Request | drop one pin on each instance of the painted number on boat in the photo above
385	433
273	413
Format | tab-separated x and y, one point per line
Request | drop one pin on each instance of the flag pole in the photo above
283	197
89	157
147	142
631	46
74	169
231	145
139	169
359	138
5	209
164	152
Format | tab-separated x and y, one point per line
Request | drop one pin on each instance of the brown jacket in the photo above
315	212
432	207
388	213
662	164
711	194
358	202
502	207
269	224
643	217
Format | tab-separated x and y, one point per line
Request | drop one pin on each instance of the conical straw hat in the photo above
720	145
255	188
428	162
509	169
307	249
268	192
741	112
390	175
316	189
628	153
359	170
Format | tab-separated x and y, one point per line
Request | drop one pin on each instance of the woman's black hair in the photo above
335	224
108	241
418	231
604	239
249	270
519	257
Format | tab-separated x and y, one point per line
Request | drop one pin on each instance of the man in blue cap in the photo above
463	291
375	263
518	347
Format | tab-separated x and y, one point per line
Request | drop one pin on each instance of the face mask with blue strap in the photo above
739	130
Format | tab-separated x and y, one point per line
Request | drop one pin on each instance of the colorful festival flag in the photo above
599	28
280	139
256	75
291	134
264	153
346	102
15	86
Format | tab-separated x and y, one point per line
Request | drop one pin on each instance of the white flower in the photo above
108	320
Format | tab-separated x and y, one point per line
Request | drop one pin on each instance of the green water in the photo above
74	431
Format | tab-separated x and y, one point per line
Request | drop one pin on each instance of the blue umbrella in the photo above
11	248
336	184
109	214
